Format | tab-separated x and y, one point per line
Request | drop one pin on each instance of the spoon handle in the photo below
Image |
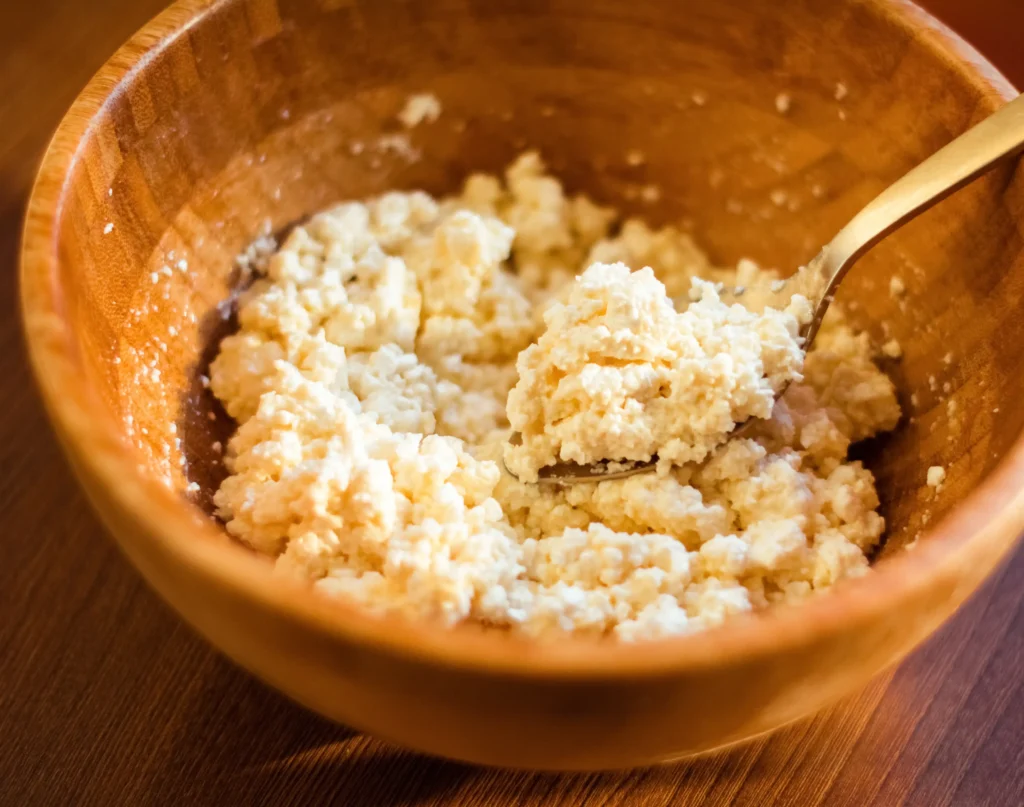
971	154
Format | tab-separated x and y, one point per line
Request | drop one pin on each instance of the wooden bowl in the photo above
221	119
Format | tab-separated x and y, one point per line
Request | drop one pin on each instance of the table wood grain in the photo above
106	698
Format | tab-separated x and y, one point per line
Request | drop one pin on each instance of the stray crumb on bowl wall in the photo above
892	349
936	476
635	157
420	108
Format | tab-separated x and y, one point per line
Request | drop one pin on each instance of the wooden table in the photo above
106	698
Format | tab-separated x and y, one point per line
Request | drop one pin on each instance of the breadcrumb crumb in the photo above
420	108
936	476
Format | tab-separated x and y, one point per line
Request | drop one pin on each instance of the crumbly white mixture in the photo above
369	378
620	375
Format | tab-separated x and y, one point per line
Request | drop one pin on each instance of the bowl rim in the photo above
974	529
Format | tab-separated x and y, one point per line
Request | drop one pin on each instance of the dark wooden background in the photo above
107	699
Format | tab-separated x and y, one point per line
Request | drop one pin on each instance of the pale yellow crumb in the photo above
420	108
398	144
892	349
650	193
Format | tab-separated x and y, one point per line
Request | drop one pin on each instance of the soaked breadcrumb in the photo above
620	375
420	108
369	377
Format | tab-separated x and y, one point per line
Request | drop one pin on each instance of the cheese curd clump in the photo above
619	375
369	377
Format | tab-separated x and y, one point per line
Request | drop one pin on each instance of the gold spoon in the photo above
977	150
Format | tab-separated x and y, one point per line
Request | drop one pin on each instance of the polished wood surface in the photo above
107	698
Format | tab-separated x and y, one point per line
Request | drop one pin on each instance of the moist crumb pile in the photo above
619	375
369	379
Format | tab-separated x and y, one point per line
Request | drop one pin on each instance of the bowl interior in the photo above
264	112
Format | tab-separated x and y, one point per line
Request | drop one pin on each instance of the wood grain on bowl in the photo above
245	116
